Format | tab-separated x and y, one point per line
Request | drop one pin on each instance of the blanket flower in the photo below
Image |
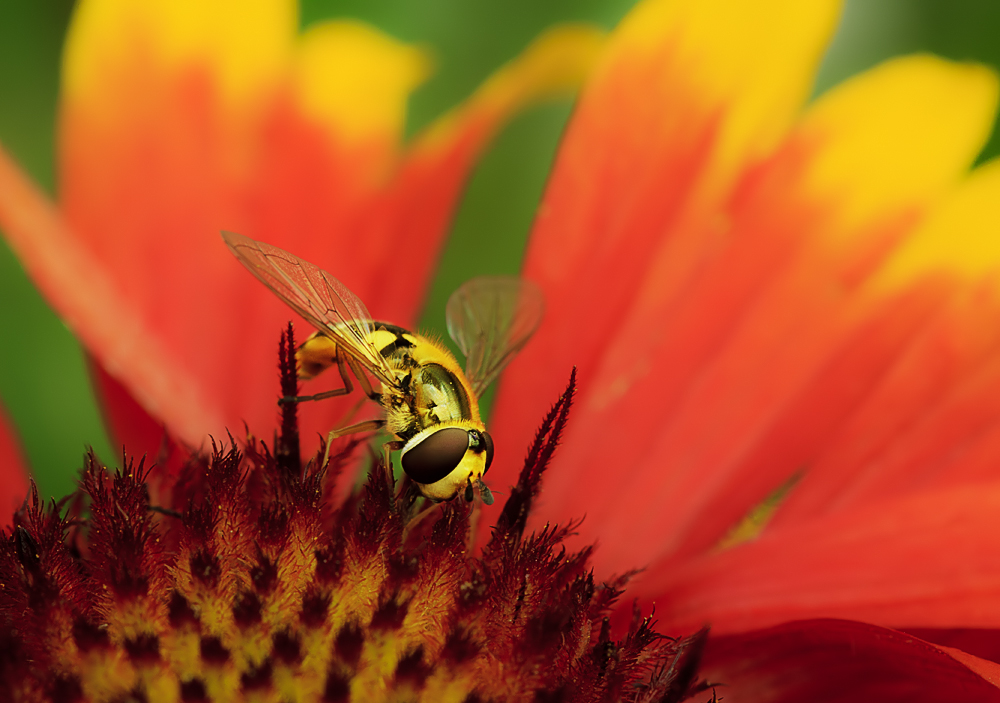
780	310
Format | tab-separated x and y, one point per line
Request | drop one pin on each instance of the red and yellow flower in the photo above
781	311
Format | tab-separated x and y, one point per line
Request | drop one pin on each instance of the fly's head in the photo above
450	459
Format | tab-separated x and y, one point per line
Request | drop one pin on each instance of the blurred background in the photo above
43	378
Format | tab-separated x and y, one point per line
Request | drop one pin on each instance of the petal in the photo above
350	75
83	292
835	660
741	354
959	237
851	364
879	118
437	164
682	97
134	427
980	642
923	560
989	670
13	472
930	416
174	126
245	45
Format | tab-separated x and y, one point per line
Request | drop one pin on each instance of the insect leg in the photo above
348	388
366	426
425	510
387	449
409	492
366	385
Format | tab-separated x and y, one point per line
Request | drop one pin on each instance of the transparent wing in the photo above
315	295
491	318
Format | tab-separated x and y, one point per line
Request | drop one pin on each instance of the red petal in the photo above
734	337
135	431
435	167
923	560
634	216
82	290
979	642
13	472
834	660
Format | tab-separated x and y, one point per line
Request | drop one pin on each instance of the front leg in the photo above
387	449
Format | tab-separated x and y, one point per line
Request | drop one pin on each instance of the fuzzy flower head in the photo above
248	585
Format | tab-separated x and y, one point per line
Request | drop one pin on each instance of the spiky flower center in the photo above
248	585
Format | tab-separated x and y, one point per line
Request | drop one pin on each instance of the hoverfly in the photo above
429	404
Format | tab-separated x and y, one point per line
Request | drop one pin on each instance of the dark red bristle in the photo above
213	651
412	669
193	691
143	649
315	606
514	516
257	679
264	575
337	689
248	557
246	609
89	636
348	644
287	647
460	647
205	567
180	612
65	690
390	615
287	451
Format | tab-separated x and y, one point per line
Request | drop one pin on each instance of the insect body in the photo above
430	404
430	407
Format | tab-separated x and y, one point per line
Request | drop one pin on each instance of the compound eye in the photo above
436	456
488	441
489	450
480	442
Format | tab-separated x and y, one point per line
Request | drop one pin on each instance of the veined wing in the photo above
315	295
491	318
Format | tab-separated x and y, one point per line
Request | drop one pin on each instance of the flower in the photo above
776	309
250	586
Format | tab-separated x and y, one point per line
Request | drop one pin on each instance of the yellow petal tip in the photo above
356	79
554	65
959	238
243	44
898	136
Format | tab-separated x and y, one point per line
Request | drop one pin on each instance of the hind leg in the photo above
348	388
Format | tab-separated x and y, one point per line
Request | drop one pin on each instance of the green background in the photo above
43	381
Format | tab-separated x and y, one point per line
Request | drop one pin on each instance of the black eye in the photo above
436	456
480	442
489	451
